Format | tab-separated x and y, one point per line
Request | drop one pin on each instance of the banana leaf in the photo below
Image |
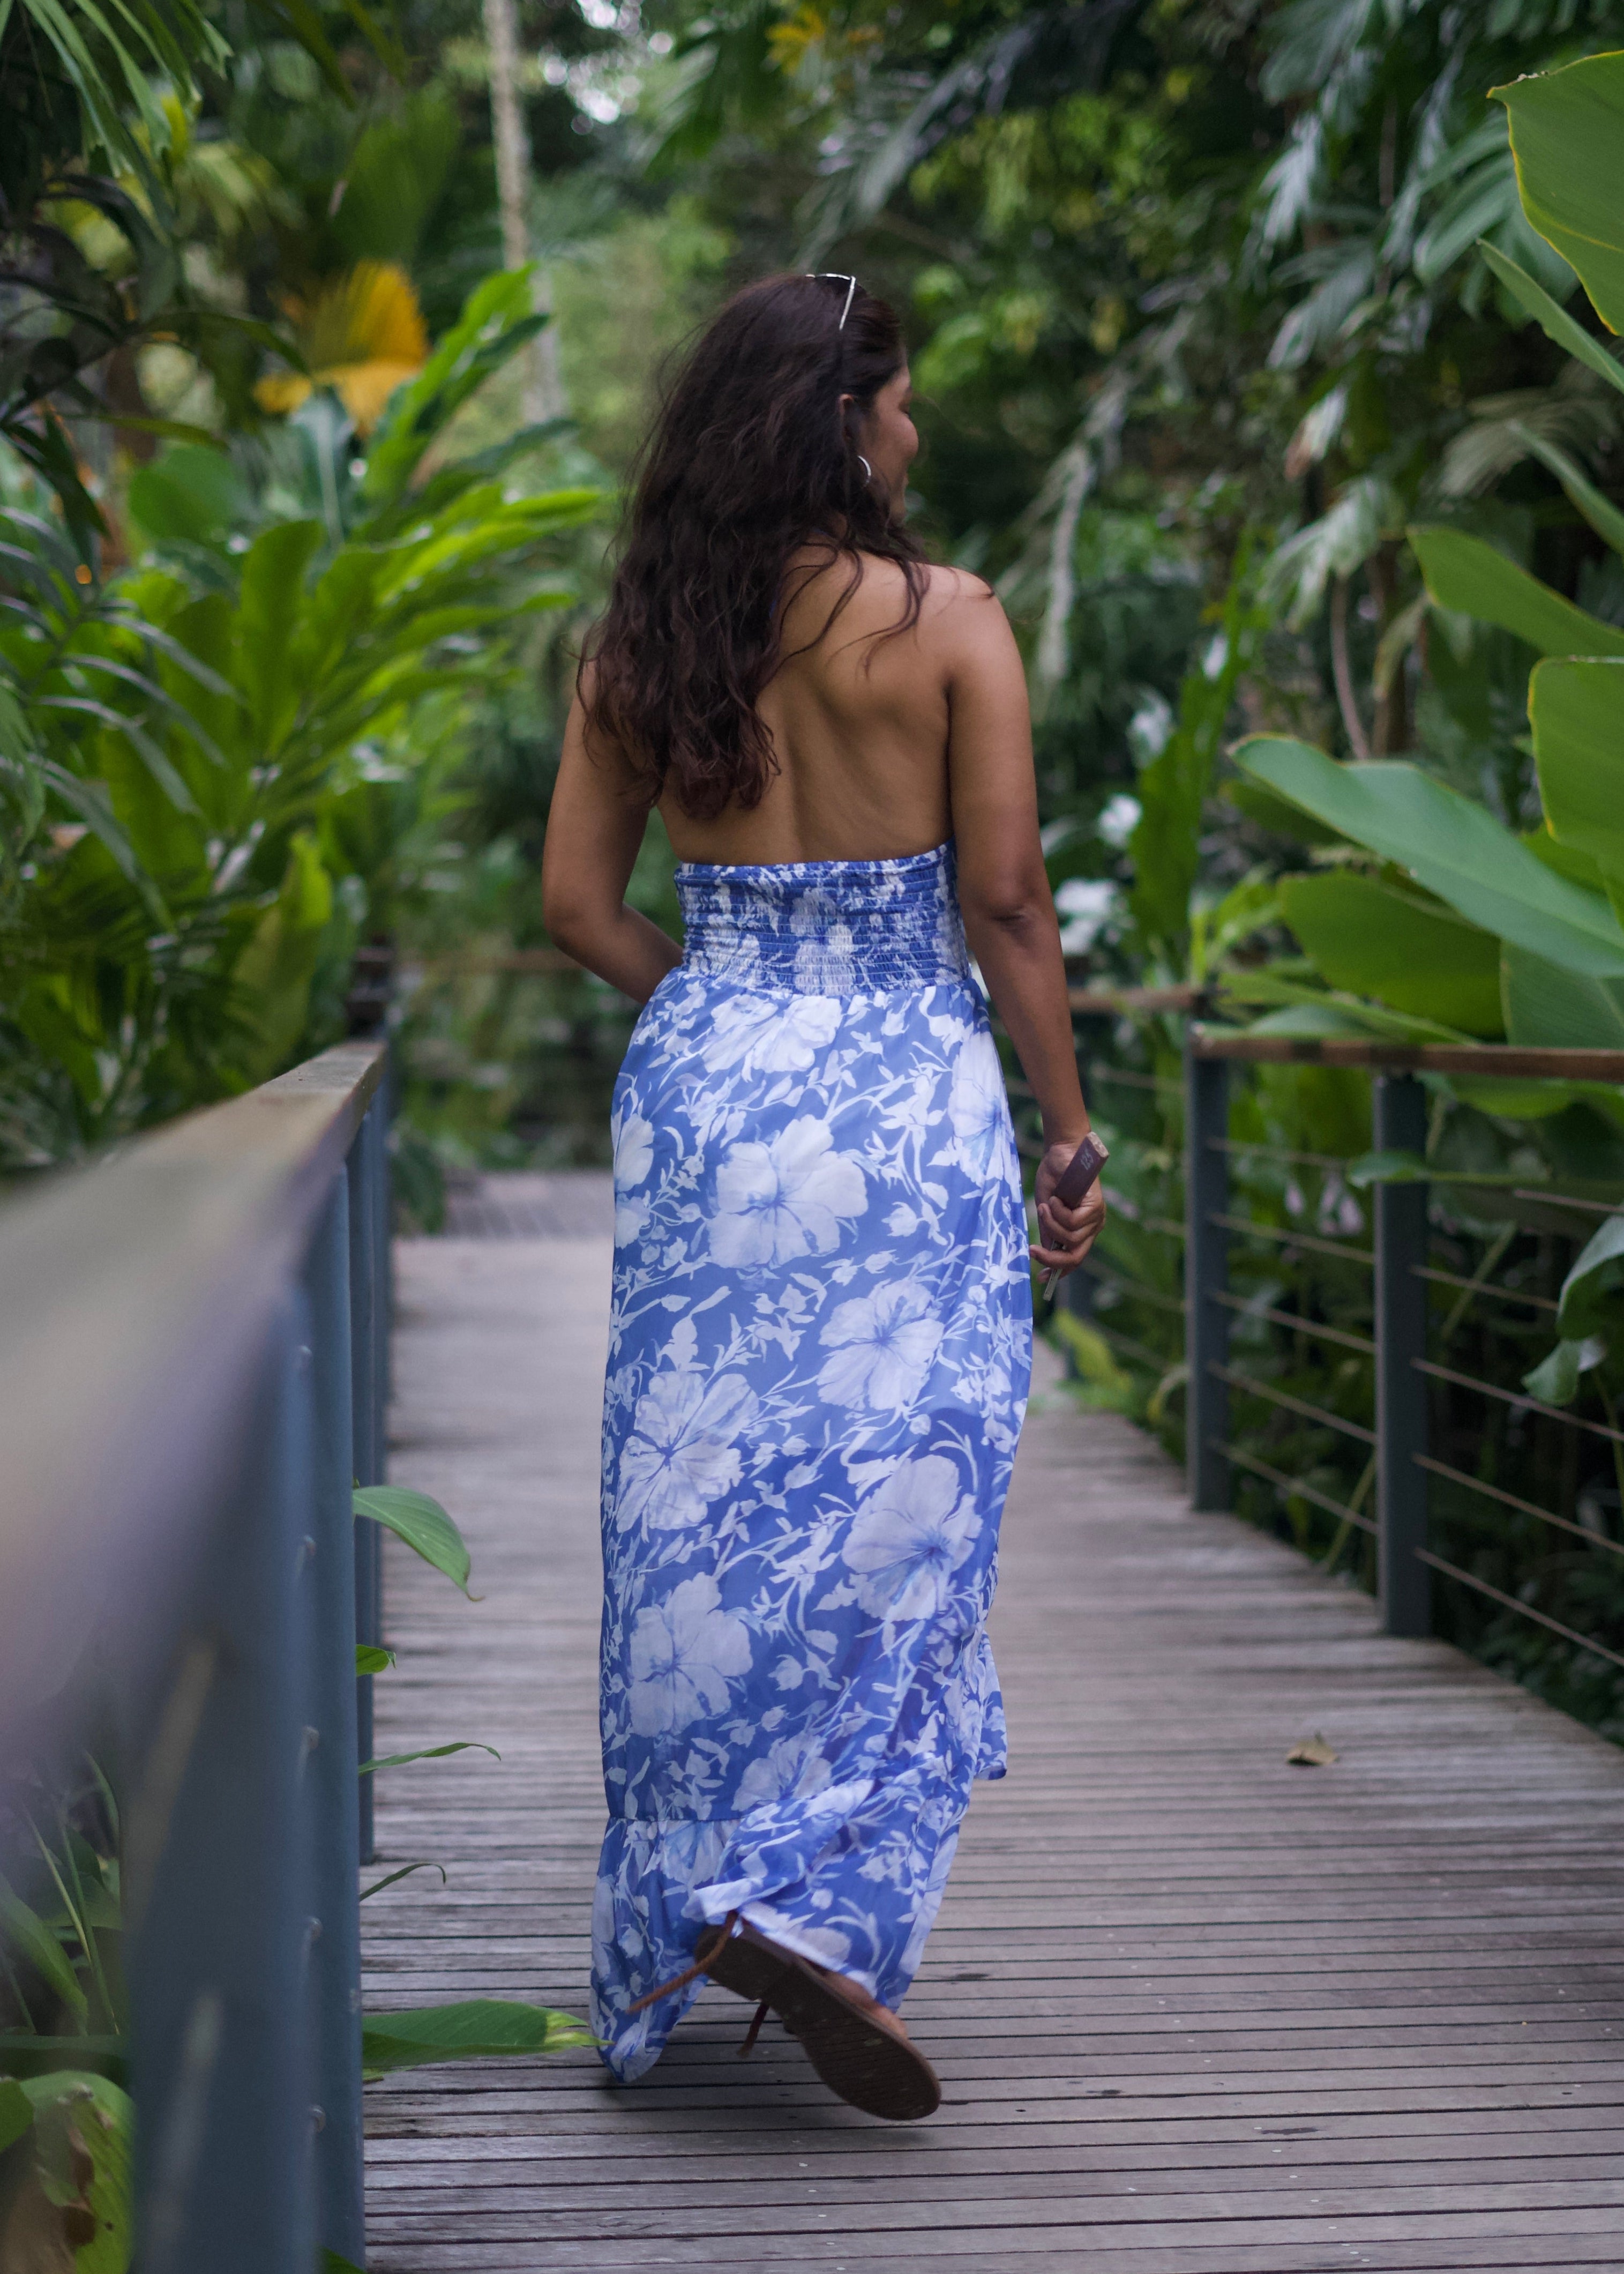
1476	579
1567	140
1451	846
1370	938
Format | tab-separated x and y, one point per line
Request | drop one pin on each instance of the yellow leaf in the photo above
1312	1753
363	334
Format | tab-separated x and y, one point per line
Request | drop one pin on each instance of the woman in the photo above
821	1337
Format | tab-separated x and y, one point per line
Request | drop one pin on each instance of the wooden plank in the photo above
1037	2257
1196	2011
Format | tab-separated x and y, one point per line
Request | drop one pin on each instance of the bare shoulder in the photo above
951	598
963	618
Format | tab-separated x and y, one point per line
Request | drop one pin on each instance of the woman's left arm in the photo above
594	830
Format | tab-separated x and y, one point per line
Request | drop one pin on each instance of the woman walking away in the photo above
821	1327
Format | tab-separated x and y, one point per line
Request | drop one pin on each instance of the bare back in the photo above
860	725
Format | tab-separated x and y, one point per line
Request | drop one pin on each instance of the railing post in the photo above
1207	1274
219	1877
1403	1582
367	1305
330	1771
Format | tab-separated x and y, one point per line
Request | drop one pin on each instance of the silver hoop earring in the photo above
868	469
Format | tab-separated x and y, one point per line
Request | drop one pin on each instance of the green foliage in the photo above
423	1524
1175	787
477	2029
1566	131
209	722
1406	949
1451	846
74	2205
427	1753
1464	573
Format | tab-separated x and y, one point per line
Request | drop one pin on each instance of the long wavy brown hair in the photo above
750	461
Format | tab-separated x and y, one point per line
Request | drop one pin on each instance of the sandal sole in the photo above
860	2061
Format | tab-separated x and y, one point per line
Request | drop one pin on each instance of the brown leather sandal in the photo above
858	2046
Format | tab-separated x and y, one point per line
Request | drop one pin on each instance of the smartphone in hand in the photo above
1078	1177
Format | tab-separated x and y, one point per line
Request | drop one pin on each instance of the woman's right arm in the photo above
1009	911
595	827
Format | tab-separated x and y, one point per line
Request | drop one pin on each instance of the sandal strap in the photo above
689	1973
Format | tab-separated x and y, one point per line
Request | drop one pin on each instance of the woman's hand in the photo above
1065	1234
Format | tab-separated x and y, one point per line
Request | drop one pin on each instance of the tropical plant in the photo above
1471	929
211	723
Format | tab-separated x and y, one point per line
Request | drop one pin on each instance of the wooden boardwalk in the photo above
1196	2011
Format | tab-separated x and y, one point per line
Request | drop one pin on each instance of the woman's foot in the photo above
858	2046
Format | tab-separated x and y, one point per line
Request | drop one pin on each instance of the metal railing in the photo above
193	1375
1382	1345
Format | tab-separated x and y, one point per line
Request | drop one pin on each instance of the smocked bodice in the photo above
826	927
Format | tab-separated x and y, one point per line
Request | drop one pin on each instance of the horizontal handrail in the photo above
1505	1060
1109	1002
139	1294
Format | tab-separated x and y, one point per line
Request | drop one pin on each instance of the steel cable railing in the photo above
1382	1312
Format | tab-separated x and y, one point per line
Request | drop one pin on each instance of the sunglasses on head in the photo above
836	276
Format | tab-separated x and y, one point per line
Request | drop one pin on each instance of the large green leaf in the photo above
1590	1294
1476	579
191	495
1548	1008
1603	515
422	1524
272	597
1307	1009
1567	139
27	1933
16	2112
1412	955
1555	321
273	973
428	1753
1451	846
1555	1380
1576	707
83	2150
479	2029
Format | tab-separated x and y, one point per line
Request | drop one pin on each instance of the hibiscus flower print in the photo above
909	1536
634	1151
763	1034
884	1345
976	1105
681	1454
791	1769
786	1199
683	1653
820	1313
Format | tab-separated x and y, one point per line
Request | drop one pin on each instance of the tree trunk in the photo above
544	390
1390	731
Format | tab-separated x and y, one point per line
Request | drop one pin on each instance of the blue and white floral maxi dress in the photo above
819	1357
